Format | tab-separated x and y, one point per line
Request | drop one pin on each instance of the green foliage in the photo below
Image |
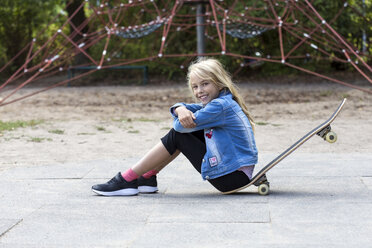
12	125
23	20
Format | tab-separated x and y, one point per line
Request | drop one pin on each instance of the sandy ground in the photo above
113	122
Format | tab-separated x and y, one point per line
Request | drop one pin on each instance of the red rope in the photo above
339	37
279	14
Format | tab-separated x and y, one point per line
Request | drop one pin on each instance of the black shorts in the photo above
192	145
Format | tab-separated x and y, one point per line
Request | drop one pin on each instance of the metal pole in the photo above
364	35
200	28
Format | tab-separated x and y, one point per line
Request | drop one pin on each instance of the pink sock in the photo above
129	175
150	173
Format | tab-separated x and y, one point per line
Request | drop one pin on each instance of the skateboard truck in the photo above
327	134
263	185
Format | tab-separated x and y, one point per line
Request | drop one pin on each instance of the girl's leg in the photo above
192	145
153	162
156	159
234	180
125	184
167	161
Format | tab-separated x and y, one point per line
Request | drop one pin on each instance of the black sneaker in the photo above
116	186
147	185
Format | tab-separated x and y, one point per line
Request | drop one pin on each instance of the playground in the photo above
67	123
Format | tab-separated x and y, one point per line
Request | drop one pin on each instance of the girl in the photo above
216	136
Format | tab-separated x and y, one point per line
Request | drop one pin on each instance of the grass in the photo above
345	95
261	123
101	129
123	120
36	139
326	93
86	134
12	125
12	137
56	131
39	140
141	119
133	131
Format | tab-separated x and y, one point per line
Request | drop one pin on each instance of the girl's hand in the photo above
186	117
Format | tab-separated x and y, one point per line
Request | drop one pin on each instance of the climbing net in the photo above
312	37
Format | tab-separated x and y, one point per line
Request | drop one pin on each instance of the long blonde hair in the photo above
212	70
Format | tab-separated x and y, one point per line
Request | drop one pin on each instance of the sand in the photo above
117	122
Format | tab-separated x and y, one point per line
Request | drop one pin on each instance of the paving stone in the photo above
316	200
200	212
58	171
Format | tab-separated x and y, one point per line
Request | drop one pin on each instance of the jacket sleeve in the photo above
192	107
211	115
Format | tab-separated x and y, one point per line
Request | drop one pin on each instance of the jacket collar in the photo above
224	92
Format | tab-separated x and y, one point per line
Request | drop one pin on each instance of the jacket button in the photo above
203	160
207	177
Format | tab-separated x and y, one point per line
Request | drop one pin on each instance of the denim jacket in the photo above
228	135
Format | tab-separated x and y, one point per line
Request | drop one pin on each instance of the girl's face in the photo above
204	91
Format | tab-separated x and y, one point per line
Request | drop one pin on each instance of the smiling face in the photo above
204	90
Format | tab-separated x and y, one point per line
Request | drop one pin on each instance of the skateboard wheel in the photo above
331	137
263	189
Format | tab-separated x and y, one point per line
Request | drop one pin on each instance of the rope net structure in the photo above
167	19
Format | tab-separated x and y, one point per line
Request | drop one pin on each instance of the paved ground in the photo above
316	200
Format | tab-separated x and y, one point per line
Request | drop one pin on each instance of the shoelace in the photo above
112	180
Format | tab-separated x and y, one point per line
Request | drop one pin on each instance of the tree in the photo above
20	22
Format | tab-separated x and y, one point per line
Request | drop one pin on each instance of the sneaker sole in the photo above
147	189
122	192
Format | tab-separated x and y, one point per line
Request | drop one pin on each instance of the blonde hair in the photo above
212	70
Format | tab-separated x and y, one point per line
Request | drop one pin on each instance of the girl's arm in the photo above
192	107
185	117
209	116
184	113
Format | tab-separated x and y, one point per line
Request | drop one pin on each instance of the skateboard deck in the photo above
323	130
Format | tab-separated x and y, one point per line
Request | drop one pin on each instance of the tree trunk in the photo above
77	20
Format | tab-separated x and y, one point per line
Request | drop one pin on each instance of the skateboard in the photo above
323	130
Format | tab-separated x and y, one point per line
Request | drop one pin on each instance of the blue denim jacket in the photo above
228	135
